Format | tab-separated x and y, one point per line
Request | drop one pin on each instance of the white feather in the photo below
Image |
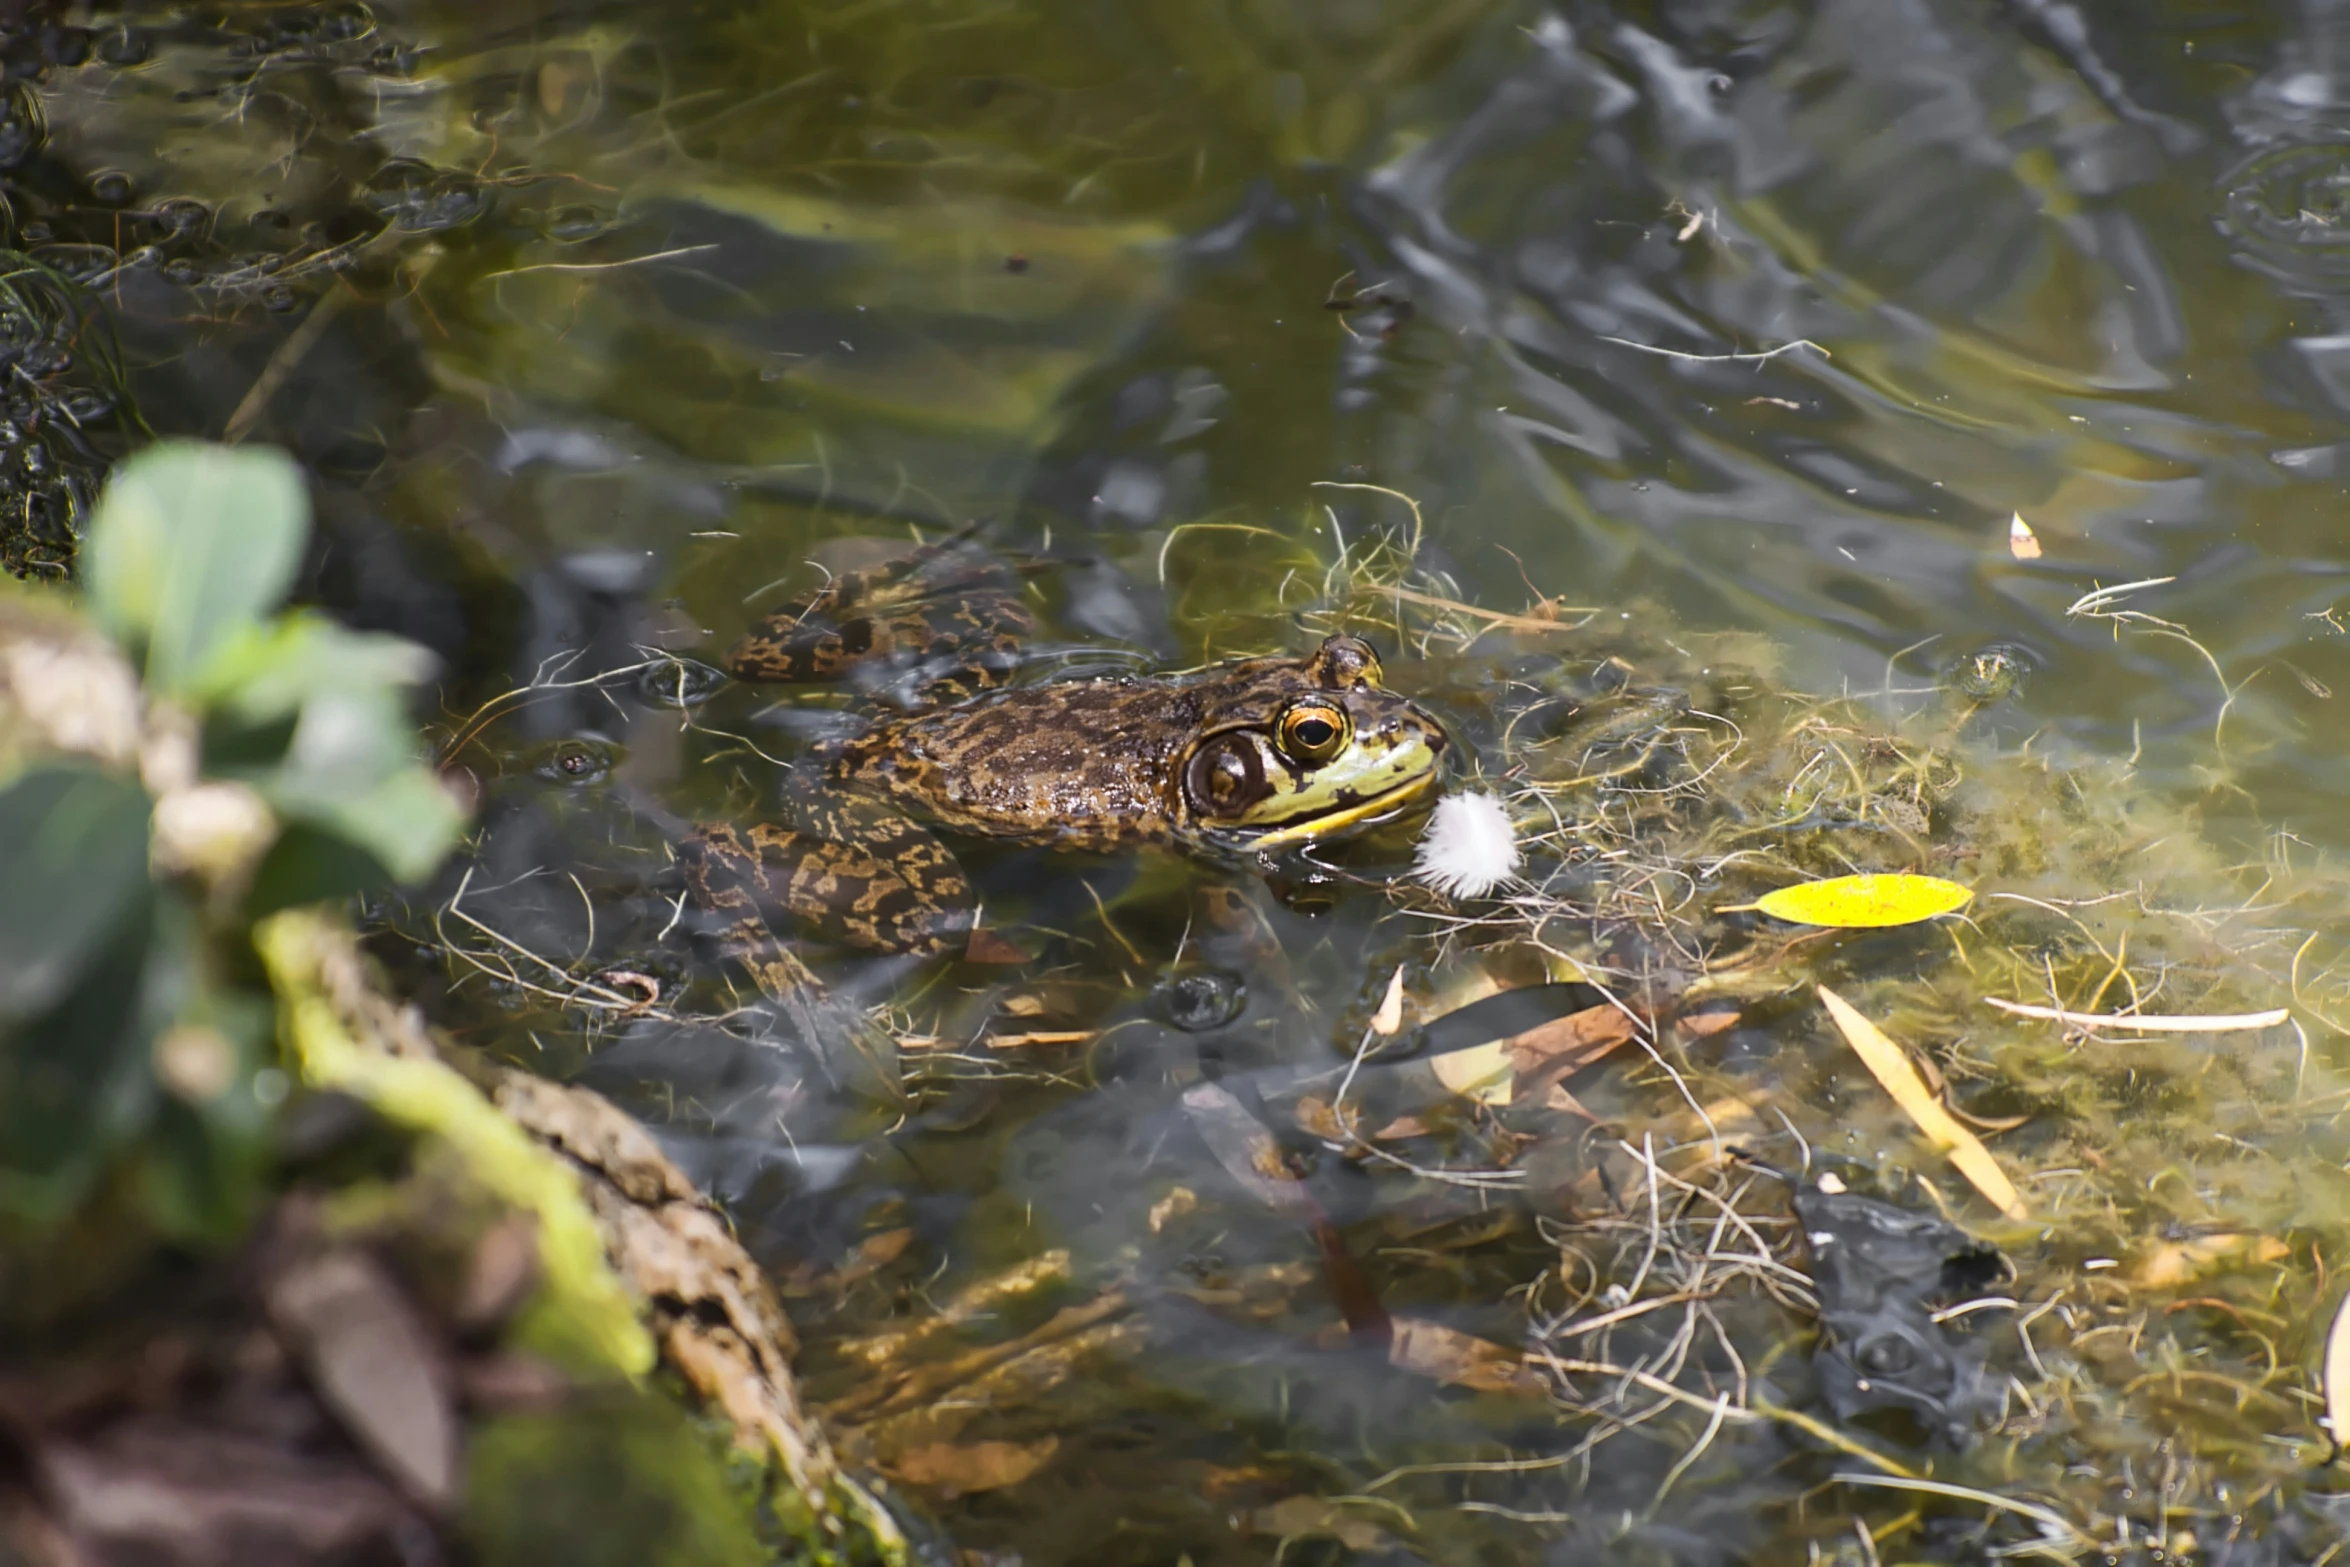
1469	847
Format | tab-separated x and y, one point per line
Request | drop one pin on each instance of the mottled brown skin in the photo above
1262	753
1099	764
952	617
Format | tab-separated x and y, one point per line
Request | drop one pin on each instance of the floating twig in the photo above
1675	353
2151	1022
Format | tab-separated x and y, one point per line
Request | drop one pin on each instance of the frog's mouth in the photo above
1339	818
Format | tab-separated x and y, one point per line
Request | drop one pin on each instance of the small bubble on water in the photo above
1197	1000
124	46
572	224
1992	673
679	682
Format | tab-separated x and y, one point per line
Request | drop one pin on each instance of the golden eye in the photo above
1313	731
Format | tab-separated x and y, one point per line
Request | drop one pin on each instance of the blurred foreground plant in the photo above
210	760
235	1176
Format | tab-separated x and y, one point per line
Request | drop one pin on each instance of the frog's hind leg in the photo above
880	881
848	871
953	619
725	874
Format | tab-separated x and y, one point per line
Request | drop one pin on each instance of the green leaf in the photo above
352	768
345	743
190	546
311	864
75	1083
201	1165
73	862
269	671
406	820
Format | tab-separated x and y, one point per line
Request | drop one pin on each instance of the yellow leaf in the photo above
1857	901
1482	1072
1890	1067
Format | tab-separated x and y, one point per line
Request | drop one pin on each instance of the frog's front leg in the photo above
848	870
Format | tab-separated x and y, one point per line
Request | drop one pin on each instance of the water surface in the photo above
600	323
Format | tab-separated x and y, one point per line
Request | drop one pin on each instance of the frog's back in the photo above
1085	764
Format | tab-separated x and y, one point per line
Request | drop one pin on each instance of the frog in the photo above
1233	764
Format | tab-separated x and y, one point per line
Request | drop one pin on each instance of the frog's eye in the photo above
1313	731
1346	663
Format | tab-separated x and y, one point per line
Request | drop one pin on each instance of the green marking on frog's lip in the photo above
1345	816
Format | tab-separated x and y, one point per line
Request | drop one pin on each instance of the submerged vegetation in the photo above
1574	1164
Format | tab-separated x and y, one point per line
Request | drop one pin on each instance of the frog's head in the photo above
1293	751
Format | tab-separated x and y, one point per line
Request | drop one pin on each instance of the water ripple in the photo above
2286	211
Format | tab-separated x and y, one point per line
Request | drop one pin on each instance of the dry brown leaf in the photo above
1729	1117
1317	1117
1296	1516
1559	1099
375	1364
972	1466
149	1491
1700	1025
1227	1480
987	946
1431	1349
1389	1017
1891	1067
1566	1045
1401	1127
501	1275
1247	1150
2022	542
2168	1264
1173	1206
873	1253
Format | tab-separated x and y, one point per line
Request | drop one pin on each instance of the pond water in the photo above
1707	331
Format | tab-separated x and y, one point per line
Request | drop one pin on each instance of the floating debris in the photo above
1890	1067
1469	847
2150	1022
1865	902
2022	542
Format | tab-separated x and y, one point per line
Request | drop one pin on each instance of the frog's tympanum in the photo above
1221	763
